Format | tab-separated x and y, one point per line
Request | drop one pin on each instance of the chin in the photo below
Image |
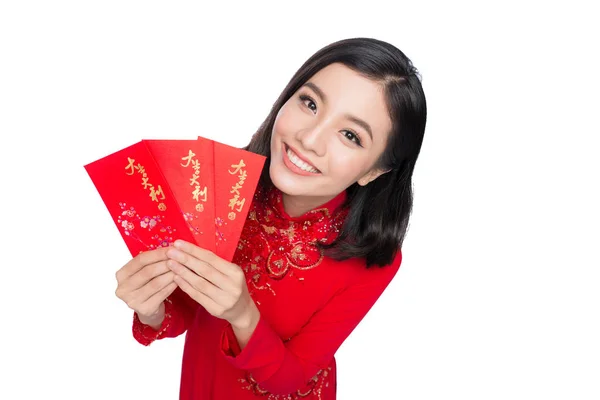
281	182
291	183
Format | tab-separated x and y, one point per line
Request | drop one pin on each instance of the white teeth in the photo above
299	163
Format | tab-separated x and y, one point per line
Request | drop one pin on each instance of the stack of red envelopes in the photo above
158	191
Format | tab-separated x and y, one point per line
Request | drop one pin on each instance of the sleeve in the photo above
180	311
283	368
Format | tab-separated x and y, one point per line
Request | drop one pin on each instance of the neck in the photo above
296	206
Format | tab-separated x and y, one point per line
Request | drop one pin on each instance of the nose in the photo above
313	139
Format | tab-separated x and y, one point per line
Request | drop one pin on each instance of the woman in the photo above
321	242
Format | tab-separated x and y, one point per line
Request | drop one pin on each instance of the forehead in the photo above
349	92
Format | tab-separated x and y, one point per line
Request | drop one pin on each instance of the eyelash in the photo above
304	98
357	140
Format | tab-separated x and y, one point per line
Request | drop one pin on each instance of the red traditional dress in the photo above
309	304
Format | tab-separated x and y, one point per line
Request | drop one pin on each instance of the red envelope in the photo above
139	199
236	174
187	165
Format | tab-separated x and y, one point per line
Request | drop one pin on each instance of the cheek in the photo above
288	121
276	131
346	165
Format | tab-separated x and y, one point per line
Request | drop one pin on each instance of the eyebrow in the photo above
360	122
350	117
317	90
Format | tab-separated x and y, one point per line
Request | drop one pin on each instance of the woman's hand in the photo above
216	284
144	283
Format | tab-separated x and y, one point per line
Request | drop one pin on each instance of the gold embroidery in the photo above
289	232
269	229
314	387
301	250
275	246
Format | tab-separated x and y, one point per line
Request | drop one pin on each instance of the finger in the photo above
128	289
207	256
199	297
199	267
154	301
145	275
197	282
151	288
140	261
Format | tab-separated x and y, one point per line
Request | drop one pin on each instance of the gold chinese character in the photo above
140	168
155	193
188	158
197	193
241	205
196	166
130	165
237	167
145	183
234	202
235	189
194	180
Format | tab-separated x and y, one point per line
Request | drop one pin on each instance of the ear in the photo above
371	176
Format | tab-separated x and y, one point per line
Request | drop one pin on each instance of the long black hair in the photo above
378	213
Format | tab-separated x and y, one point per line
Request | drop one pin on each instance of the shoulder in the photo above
356	271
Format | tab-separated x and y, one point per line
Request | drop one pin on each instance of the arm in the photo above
283	368
179	313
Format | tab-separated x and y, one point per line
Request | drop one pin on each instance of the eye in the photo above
352	136
309	102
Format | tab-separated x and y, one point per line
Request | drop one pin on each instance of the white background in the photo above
498	295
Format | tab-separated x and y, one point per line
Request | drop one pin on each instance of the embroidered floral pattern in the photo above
146	334
314	388
275	245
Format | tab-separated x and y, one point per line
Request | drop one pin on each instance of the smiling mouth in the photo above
299	163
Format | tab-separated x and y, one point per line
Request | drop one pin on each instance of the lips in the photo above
288	148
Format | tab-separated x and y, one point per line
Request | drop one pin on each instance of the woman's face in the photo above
329	135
